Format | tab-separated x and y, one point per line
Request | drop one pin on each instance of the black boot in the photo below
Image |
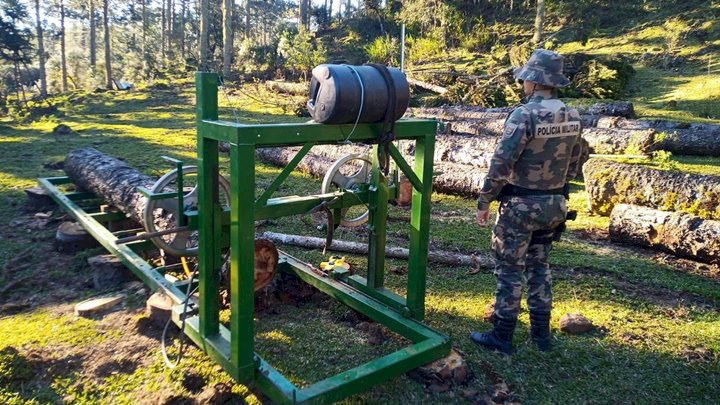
540	330
499	338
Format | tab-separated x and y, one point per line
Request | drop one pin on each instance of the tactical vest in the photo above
544	163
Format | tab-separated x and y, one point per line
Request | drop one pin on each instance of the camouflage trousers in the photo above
521	241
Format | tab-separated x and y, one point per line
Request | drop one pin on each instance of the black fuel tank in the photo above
336	94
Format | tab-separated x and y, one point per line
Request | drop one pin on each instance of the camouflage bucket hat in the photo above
543	67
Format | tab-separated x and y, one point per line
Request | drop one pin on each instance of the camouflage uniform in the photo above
539	149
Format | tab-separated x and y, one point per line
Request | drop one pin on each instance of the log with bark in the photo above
470	113
427	86
681	234
678	137
294	89
436	256
460	112
109	178
116	182
620	141
615	109
610	183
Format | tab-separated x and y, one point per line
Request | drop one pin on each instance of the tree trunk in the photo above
681	234
93	36
294	89
620	141
427	86
41	51
303	6
471	113
170	26
539	21
460	112
183	10
144	39
63	59
109	178
436	256
614	108
247	18
227	15
609	183
108	56
679	138
163	28
204	36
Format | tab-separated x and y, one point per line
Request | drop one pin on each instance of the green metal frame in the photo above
233	348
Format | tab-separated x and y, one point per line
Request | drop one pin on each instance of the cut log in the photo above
610	183
92	306
681	234
71	238
615	109
619	141
38	199
295	89
427	86
677	137
470	113
109	178
109	272
436	256
459	112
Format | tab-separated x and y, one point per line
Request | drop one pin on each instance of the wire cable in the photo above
163	348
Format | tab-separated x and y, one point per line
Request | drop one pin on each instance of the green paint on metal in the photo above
284	174
405	168
377	219
233	347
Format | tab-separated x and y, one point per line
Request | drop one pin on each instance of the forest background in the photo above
54	46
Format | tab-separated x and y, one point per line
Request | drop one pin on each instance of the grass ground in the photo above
658	321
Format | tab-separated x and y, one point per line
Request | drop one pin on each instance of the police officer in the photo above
538	151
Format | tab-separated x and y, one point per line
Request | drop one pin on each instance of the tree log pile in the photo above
450	177
610	183
609	128
681	234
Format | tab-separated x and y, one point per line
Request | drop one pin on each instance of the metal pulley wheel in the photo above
348	173
163	214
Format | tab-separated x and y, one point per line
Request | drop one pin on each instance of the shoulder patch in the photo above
509	129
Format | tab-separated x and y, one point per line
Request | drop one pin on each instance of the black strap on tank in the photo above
387	134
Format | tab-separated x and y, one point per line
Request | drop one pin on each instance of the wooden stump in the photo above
109	272
683	235
158	309
38	200
71	238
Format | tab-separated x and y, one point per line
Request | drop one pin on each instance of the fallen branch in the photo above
436	256
9	286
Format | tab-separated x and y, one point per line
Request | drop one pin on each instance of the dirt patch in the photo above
655	295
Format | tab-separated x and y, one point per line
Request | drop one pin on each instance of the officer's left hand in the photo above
482	217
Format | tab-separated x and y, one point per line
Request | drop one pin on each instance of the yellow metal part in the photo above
335	262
